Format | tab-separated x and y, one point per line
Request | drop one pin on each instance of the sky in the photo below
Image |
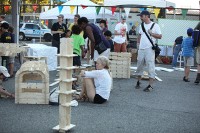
186	3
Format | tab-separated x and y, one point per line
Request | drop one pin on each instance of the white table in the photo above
39	50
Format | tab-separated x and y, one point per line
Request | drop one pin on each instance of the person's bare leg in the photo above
89	88
4	92
187	71
151	81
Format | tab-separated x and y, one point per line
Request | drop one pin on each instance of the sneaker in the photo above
148	88
137	85
186	80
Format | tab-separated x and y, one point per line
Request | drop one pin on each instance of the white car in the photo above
32	30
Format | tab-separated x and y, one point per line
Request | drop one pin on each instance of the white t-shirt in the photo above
122	29
144	41
102	82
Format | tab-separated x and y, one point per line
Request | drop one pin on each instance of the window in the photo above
29	26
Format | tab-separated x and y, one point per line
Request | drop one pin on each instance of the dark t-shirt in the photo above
132	32
6	37
58	27
112	45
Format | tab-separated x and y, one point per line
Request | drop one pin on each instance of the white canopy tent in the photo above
89	11
132	3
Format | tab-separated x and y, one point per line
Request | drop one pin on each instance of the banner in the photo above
156	11
127	11
98	10
84	6
113	9
60	8
184	12
72	9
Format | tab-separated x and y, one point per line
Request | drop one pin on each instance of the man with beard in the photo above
146	55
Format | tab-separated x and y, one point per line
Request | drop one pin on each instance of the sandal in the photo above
81	98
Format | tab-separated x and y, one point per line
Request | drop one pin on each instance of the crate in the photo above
32	83
120	64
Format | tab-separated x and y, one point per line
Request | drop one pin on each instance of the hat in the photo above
189	30
144	13
4	71
5	25
62	16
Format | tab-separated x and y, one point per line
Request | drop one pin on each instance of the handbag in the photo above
100	48
154	46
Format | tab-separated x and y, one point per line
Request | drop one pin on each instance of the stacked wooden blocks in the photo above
32	83
65	84
120	64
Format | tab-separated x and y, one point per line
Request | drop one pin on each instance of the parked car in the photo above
32	30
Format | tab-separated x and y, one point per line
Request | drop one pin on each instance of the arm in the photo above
91	37
138	40
157	36
82	51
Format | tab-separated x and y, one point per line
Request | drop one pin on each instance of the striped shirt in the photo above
187	45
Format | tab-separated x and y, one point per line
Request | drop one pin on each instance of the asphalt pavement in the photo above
172	107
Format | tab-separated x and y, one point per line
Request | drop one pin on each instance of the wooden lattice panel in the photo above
32	83
120	64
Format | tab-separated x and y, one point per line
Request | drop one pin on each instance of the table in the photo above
41	50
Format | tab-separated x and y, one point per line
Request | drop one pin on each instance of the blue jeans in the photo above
177	49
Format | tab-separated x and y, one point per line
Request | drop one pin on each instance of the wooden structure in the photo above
32	83
65	84
10	49
120	64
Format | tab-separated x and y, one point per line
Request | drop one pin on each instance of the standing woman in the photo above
95	35
97	83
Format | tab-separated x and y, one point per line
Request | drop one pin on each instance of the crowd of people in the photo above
97	83
7	62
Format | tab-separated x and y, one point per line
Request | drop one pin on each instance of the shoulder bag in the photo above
154	46
100	47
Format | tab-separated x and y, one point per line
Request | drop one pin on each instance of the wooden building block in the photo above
32	83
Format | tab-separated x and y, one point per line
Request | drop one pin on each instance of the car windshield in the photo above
44	26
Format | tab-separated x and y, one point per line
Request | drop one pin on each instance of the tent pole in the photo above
77	10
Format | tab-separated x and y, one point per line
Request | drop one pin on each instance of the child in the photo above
78	45
4	73
78	48
108	36
188	53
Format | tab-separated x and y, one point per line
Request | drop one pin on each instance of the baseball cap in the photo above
4	71
190	30
61	15
144	13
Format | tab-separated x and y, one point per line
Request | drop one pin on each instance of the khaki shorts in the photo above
146	59
188	61
198	55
